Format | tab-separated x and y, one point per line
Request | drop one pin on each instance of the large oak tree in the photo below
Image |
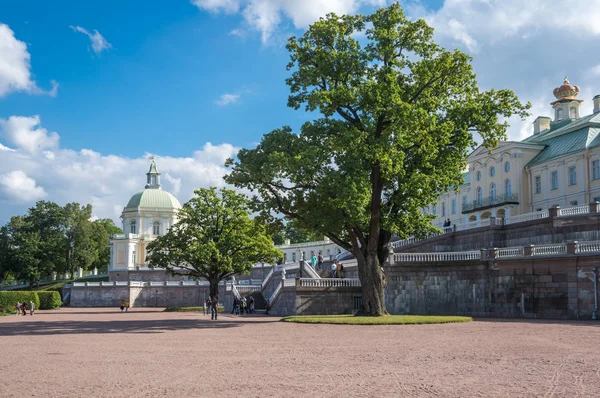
214	238
398	115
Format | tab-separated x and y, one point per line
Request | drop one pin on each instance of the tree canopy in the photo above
51	238
214	238
398	116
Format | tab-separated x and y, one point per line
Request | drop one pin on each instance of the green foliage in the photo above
399	115
49	300
381	320
8	299
214	239
50	238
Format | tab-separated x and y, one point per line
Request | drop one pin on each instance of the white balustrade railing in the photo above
510	252
588	247
274	295
247	288
121	283
434	257
267	278
330	282
535	215
311	271
574	210
546	250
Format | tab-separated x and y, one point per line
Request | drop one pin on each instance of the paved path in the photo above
147	353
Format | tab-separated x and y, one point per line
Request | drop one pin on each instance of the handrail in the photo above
275	294
310	270
235	292
267	278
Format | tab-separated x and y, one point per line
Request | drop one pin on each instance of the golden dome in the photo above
566	91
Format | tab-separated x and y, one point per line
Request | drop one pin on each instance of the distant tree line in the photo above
51	238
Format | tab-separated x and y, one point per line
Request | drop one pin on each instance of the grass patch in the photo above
377	320
191	309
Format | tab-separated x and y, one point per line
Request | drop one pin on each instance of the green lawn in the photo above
190	309
381	320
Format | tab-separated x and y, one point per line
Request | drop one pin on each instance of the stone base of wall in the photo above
548	288
315	301
147	296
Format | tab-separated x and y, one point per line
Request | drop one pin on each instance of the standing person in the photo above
313	261
340	270
24	308
122	305
31	308
18	308
208	304
320	261
244	305
252	304
214	308
235	305
334	270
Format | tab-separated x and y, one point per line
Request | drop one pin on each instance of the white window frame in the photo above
508	187
572	170
443	209
132	227
537	184
453	210
156	228
595	169
553	181
493	191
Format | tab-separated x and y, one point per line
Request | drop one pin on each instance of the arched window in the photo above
559	114
479	195
493	191
573	113
156	228
132	227
507	188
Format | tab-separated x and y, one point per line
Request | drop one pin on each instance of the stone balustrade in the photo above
592	208
436	257
140	284
328	282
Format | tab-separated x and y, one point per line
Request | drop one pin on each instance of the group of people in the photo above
239	306
211	305
447	225
337	269
21	308
317	261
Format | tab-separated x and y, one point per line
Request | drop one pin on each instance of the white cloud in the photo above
265	16
15	66
525	46
99	43
26	133
227	6
227	99
19	188
104	180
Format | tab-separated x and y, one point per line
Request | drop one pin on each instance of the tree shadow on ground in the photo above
37	328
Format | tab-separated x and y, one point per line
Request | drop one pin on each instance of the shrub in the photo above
9	299
49	300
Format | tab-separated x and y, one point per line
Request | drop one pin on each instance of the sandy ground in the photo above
147	353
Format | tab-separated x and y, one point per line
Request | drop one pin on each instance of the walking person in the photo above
235	306
31	308
334	270
320	261
23	308
208	305
252	304
313	261
340	270
214	308
18	308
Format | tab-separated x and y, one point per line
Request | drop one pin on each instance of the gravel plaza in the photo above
149	353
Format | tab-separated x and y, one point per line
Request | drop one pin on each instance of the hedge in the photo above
9	299
49	300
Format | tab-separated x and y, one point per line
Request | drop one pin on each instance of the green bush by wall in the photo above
49	300
9	299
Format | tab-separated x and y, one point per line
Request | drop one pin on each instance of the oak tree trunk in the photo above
214	288
372	281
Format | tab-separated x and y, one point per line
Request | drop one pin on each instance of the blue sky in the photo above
155	81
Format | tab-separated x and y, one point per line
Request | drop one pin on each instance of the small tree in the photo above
398	117
214	238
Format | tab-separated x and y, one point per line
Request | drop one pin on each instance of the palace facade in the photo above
558	165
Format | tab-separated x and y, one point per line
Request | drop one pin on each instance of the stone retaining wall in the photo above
547	287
